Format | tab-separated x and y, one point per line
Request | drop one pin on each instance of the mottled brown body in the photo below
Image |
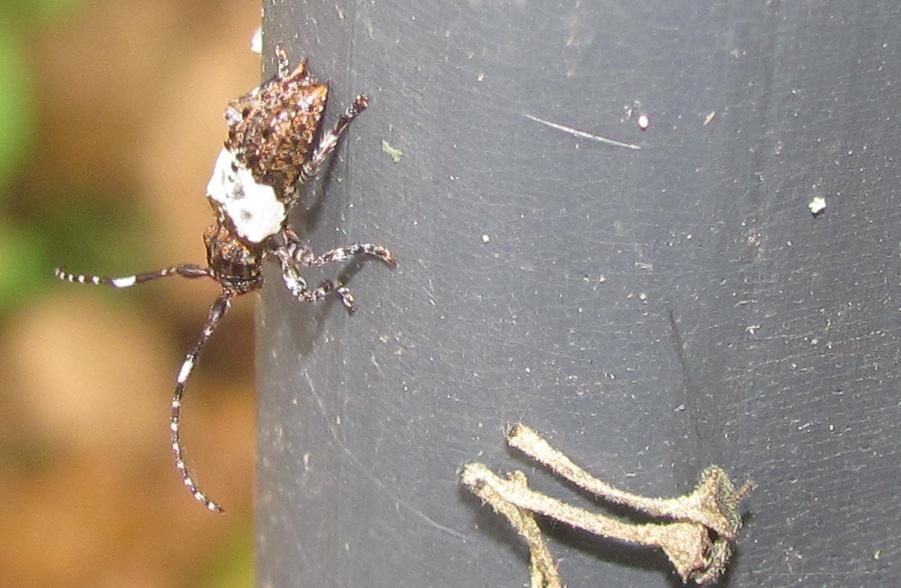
272	130
273	143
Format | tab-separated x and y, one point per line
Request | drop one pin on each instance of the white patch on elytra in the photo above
253	208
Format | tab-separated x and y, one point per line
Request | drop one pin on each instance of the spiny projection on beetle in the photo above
271	147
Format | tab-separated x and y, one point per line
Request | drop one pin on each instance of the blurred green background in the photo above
110	119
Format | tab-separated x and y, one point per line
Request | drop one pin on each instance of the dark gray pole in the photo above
651	311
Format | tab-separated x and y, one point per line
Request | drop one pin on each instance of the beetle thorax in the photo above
233	262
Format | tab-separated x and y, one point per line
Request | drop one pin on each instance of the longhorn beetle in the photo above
271	147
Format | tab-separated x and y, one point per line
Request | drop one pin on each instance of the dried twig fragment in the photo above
713	503
393	152
697	543
543	568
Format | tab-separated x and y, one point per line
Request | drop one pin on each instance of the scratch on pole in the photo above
582	134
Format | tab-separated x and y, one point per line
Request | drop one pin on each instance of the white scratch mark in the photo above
369	474
375	363
582	134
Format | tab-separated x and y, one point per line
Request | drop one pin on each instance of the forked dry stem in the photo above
697	542
713	503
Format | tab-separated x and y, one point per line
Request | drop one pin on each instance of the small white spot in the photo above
306	103
252	207
644	122
817	205
174	426
124	282
212	506
256	41
180	464
199	496
186	368
232	116
486	238
176	404
189	482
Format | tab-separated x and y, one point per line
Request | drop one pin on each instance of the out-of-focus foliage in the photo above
67	229
16	114
23	254
37	9
30	238
232	567
86	183
92	232
16	96
22	258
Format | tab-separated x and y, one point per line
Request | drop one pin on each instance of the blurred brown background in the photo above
110	119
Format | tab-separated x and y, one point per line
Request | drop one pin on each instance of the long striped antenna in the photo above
184	271
217	311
